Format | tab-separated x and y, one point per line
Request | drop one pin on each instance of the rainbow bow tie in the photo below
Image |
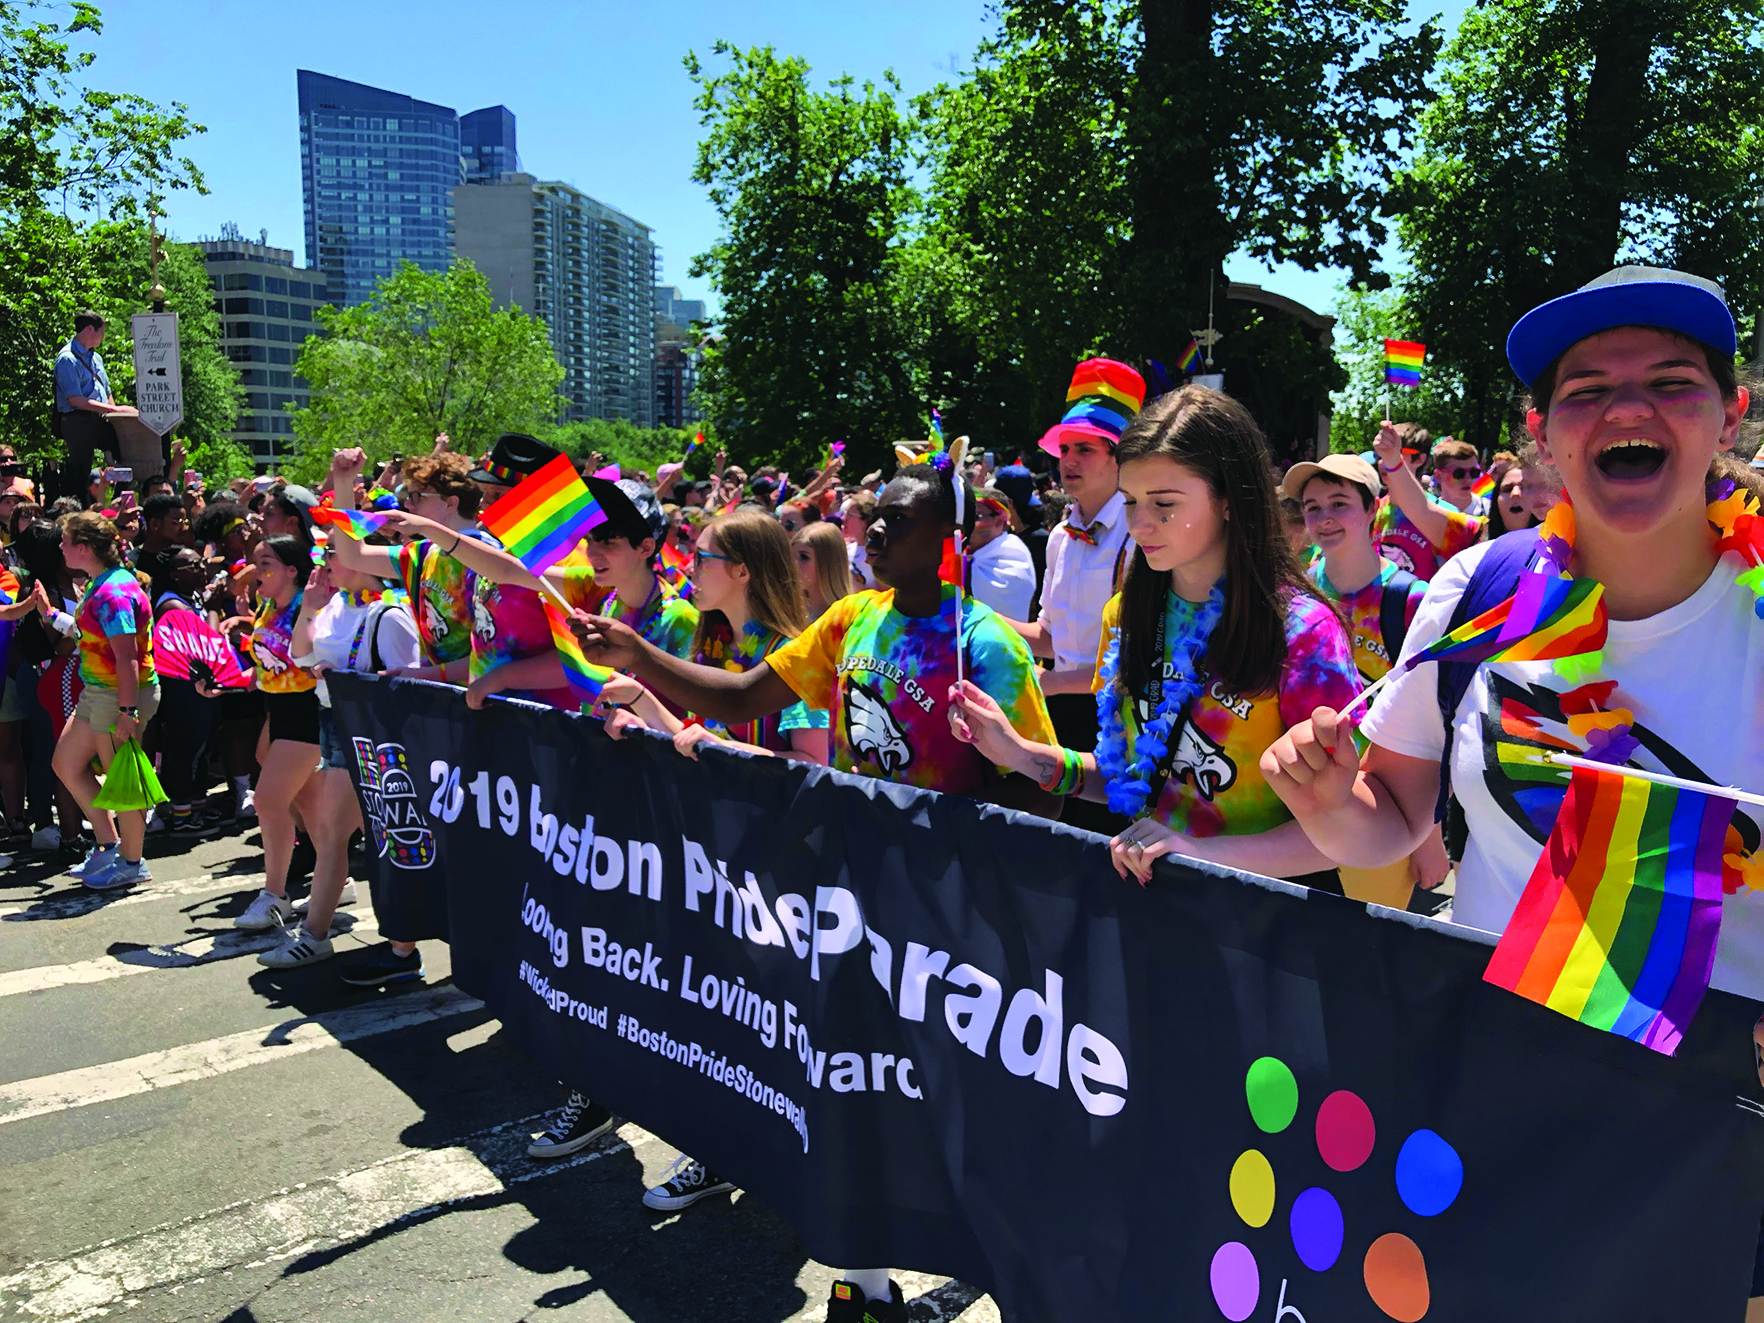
1085	535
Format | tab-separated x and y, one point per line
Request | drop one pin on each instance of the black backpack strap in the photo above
1393	613
1494	580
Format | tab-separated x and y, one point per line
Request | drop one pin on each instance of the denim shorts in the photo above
333	748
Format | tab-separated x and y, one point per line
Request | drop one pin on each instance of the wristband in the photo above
1389	470
134	712
1069	776
455	547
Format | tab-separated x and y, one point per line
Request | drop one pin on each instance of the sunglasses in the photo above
1462	473
699	557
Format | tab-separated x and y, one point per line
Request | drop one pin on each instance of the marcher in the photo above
1413	529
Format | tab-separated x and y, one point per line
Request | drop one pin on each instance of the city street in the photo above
186	1135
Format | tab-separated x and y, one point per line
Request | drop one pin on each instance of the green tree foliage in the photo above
812	190
1365	319
67	151
428	353
629	446
1571	136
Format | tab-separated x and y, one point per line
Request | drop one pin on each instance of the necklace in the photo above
1129	784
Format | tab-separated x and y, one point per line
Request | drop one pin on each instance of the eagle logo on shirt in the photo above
1202	759
872	732
483	623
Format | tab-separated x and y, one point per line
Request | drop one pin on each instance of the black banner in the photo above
942	1036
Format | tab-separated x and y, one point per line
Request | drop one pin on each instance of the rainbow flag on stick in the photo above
542	519
358	524
1191	358
1402	362
1618	923
585	678
1483	486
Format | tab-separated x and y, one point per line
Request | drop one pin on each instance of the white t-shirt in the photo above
339	639
1002	575
1692	675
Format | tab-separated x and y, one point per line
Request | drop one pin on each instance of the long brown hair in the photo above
832	563
1214	436
755	540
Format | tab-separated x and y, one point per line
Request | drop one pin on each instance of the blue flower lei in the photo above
1129	786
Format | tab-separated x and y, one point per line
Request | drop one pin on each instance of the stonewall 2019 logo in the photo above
1429	1175
400	832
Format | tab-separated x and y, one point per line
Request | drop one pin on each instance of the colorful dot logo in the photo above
1429	1175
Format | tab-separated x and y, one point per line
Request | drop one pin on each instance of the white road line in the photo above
202	950
87	902
173	1066
339	1208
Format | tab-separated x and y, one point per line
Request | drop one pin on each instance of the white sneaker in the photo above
157	825
247	805
301	905
46	838
301	948
267	910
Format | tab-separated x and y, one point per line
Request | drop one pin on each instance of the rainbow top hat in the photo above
1100	402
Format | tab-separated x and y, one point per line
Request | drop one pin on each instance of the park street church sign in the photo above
159	384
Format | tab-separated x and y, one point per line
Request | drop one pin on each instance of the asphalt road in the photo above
186	1135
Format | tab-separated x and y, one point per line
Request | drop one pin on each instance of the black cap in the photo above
514	456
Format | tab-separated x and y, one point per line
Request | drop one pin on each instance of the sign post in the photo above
159	385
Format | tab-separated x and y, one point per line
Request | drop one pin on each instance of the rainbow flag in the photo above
1483	486
697	441
1546	617
1617	926
936	430
358	524
584	677
1402	362
542	519
1191	358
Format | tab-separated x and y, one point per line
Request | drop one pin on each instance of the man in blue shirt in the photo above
84	405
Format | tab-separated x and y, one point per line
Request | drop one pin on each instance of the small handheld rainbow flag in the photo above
1402	362
937	429
838	448
1191	358
1483	486
697	441
358	524
1546	617
1617	926
542	519
585	678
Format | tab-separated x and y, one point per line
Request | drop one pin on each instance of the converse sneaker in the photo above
581	1122
685	1184
98	855
347	898
301	948
118	872
381	966
846	1304
267	910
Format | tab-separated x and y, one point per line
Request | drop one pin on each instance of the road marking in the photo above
72	905
347	1206
203	950
173	1066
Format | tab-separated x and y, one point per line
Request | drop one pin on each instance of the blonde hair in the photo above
832	564
758	542
97	534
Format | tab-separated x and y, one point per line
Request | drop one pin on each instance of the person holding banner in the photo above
288	748
1636	402
121	694
1215	642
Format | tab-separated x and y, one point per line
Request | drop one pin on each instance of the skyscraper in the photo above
487	144
584	269
676	357
378	171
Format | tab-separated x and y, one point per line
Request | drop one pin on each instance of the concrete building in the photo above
487	144
266	306
378	170
583	268
676	357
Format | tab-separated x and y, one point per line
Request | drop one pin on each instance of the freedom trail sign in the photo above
159	384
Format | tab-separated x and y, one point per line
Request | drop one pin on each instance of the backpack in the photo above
1494	580
1393	613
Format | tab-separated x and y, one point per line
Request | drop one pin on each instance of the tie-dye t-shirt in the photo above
113	605
272	646
1365	615
1400	541
1216	786
755	645
884	678
508	623
665	619
440	590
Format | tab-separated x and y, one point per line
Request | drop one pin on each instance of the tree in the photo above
812	190
1365	319
624	443
428	353
1571	136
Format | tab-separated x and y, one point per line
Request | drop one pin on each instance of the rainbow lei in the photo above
1129	785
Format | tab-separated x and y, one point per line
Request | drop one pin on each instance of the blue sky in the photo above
600	96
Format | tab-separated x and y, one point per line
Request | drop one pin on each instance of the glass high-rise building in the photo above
378	170
487	144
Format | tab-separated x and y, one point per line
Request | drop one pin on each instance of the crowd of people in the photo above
1158	628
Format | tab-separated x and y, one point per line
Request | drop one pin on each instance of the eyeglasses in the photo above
1463	473
699	557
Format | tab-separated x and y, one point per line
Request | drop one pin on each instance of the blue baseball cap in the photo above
1627	296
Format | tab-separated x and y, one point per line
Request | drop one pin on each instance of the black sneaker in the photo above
190	825
381	966
846	1304
581	1122
685	1184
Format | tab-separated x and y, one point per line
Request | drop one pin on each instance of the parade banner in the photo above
941	1036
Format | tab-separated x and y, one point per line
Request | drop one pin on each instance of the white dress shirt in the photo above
1002	575
1080	580
860	564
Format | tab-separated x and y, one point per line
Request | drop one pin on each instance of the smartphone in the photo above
125	501
192	478
989	460
114	476
261	484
